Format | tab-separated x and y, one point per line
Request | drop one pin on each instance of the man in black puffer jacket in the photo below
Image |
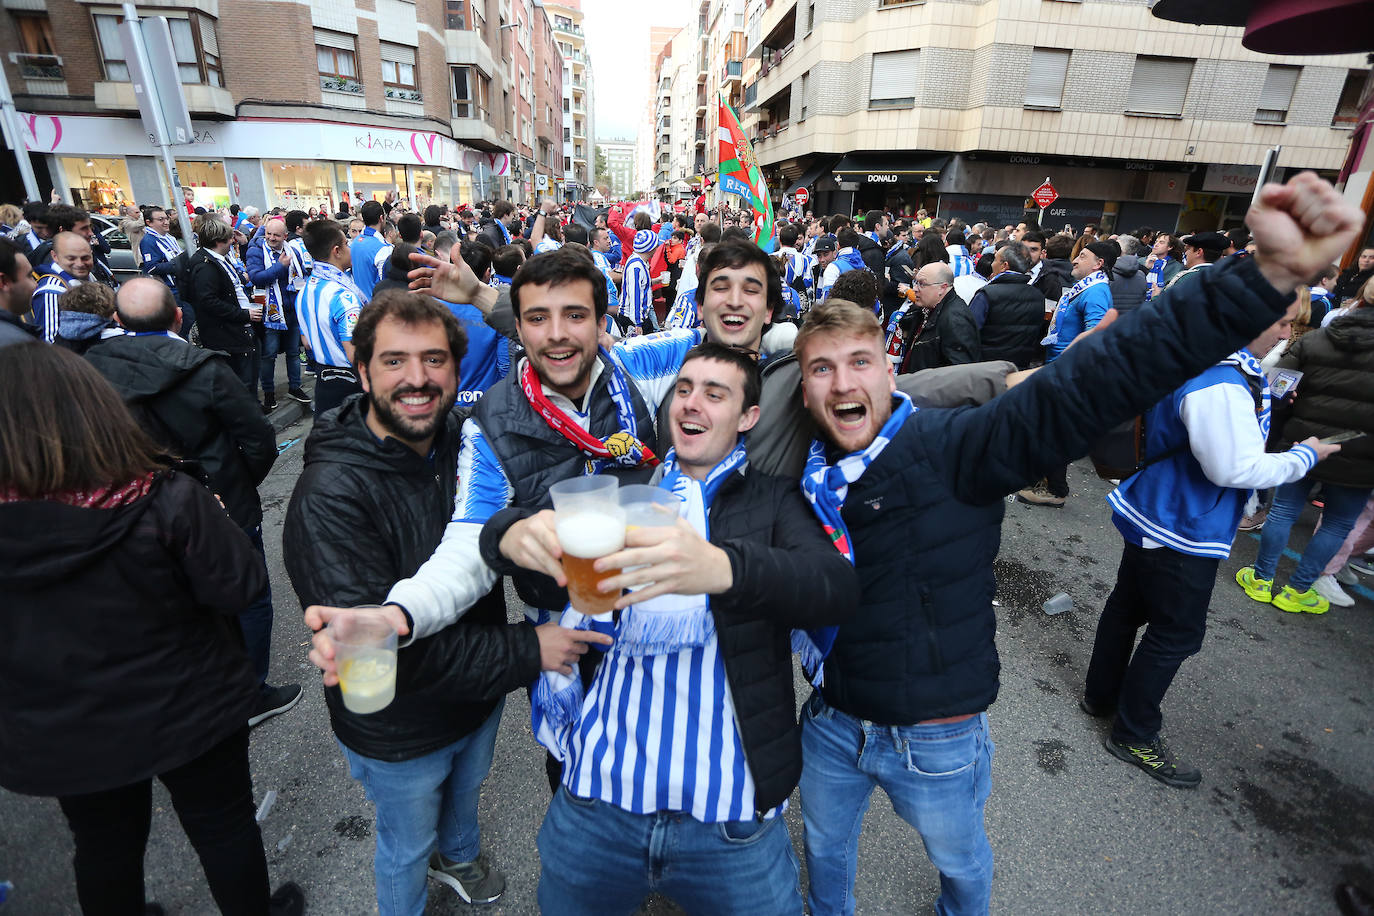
191	403
1009	311
369	508
920	495
707	641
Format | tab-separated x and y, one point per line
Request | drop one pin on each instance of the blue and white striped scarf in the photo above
1249	365
826	486
659	626
328	272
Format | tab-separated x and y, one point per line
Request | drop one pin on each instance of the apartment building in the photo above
620	166
294	104
964	108
578	98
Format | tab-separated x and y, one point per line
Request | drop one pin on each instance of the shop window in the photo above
894	79
1159	85
337	62
1277	94
1348	106
1045	84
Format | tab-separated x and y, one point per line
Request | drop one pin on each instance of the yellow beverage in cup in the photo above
586	536
368	680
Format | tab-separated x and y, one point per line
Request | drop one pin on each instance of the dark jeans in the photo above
213	798
331	392
256	621
272	342
245	366
1057	480
1166	592
1343	506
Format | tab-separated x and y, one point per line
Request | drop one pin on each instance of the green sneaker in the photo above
1295	602
475	881
1261	590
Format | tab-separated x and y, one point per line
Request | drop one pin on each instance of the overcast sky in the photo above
618	41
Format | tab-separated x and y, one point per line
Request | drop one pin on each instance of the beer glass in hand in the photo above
590	524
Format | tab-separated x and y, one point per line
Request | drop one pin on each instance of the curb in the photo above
288	413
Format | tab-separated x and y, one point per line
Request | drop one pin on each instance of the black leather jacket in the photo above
364	515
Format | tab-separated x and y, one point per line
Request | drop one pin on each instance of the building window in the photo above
567	135
337	62
398	72
810	15
894	77
1045	84
470	90
567	163
805	84
193	41
455	14
567	106
1159	85
1348	106
38	58
1277	94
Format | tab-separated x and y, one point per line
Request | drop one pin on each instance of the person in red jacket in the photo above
615	221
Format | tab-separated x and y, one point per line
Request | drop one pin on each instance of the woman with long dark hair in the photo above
120	656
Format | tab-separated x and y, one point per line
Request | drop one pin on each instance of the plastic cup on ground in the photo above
590	525
365	656
1058	604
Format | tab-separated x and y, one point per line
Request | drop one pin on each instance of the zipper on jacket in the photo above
937	662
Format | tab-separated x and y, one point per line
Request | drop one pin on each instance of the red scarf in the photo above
623	448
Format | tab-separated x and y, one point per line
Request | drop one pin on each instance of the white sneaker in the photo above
1331	590
1346	576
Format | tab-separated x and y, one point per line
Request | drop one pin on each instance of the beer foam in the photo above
591	534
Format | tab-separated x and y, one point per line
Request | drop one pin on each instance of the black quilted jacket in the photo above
365	514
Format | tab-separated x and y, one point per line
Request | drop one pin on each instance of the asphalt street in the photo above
1277	711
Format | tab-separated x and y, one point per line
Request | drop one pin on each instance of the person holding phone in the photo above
1337	363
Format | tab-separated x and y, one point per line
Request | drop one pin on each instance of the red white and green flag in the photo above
740	174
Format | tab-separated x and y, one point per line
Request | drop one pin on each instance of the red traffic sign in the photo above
1045	194
801	196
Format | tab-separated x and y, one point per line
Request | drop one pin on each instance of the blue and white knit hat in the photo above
645	241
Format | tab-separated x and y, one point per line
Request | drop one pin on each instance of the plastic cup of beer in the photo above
590	525
365	656
649	506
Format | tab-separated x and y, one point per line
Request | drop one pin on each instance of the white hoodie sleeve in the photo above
1225	439
455	576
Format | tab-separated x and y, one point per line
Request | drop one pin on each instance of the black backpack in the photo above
1120	453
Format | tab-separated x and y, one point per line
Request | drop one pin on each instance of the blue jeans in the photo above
420	802
256	620
938	778
273	342
596	858
1343	506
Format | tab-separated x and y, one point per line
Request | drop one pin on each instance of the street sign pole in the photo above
14	134
1042	209
136	44
1266	173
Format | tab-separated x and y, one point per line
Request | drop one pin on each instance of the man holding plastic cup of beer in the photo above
699	679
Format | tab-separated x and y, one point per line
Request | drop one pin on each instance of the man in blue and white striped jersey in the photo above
637	298
328	308
70	266
684	748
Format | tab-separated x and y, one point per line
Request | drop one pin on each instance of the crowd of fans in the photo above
794	401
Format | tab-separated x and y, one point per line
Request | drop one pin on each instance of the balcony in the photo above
701	138
771	58
701	101
39	66
732	71
200	99
569	29
751	93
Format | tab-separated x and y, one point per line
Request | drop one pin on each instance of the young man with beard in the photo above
918	496
370	506
690	804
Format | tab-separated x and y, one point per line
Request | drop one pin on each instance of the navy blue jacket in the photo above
925	518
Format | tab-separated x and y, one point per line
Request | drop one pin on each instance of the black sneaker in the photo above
298	393
476	881
1156	759
269	403
287	900
1095	710
273	702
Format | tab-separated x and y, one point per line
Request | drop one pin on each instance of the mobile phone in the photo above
1343	436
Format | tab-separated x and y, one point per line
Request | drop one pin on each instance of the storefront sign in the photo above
1231	179
77	135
